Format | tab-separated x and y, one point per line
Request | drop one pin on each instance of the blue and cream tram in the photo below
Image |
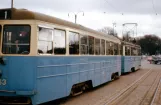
131	58
43	58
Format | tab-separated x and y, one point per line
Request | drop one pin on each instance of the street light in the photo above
11	3
75	15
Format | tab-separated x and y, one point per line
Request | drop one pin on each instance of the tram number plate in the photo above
3	82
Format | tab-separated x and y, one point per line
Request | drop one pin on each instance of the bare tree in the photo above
108	30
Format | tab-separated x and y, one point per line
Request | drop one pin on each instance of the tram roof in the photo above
130	44
23	14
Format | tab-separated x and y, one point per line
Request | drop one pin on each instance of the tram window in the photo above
16	39
133	51
107	48
127	50
139	52
115	49
45	41
111	48
102	47
97	46
59	42
73	43
84	44
91	45
120	49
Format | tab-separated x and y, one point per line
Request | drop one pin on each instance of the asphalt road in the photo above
146	65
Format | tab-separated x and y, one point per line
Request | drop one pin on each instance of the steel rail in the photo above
116	96
155	94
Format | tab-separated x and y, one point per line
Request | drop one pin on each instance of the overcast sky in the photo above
142	12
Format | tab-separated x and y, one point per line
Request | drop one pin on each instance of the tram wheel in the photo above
114	76
133	69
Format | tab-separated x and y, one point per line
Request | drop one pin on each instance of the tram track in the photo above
151	91
157	91
130	95
118	95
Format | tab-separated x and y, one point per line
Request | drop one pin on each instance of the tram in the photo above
131	57
43	58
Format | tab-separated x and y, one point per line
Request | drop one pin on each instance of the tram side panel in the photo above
137	62
56	75
129	62
18	77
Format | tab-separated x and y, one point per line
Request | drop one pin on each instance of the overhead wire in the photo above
154	7
110	4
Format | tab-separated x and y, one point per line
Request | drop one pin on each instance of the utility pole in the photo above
75	18
114	25
76	15
131	28
11	3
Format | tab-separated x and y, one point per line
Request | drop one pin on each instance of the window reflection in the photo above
91	45
115	49
84	44
59	42
16	39
97	46
134	51
107	48
73	43
111	48
45	44
102	47
120	49
127	50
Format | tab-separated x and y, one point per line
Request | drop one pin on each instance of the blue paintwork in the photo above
46	78
19	73
129	62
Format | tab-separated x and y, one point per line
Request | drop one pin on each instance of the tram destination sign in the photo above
5	14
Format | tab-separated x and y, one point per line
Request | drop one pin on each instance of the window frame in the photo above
111	46
120	49
107	47
2	33
78	41
65	41
86	45
101	53
97	46
115	45
45	40
128	53
93	38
